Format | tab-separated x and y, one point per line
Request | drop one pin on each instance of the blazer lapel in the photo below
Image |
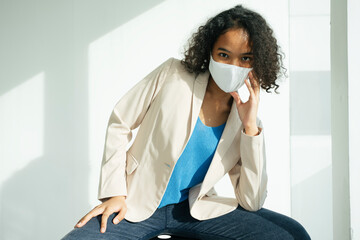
231	129
198	94
218	168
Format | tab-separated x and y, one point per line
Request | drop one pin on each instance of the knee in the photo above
297	231
289	226
68	236
302	234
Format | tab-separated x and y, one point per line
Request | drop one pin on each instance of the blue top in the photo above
191	167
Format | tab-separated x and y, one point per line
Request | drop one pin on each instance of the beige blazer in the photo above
165	105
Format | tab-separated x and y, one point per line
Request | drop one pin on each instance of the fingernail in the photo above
102	230
116	221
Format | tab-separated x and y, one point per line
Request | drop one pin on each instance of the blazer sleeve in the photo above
127	115
248	176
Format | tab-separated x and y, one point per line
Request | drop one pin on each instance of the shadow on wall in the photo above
45	198
310	103
311	169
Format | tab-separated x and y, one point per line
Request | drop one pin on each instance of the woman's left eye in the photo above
246	59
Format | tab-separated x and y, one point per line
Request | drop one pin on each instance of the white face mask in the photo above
228	77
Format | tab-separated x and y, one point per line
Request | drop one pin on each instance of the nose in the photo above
236	62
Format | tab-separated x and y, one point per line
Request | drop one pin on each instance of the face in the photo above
233	47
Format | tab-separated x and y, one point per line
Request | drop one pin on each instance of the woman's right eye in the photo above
224	55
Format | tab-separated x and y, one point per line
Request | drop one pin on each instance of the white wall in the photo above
310	89
353	18
64	65
340	120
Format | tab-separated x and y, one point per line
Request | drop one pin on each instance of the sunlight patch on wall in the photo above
21	125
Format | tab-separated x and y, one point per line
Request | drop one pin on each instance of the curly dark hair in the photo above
267	64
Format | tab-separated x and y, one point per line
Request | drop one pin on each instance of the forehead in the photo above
234	40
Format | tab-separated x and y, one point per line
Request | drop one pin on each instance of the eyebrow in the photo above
225	50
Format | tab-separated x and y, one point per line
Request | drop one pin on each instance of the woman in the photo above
194	128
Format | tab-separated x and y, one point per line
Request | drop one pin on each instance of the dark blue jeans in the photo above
176	219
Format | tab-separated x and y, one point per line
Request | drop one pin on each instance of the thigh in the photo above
238	224
123	230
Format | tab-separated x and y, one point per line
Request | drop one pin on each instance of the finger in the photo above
252	93
93	213
120	216
104	219
254	83
236	96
